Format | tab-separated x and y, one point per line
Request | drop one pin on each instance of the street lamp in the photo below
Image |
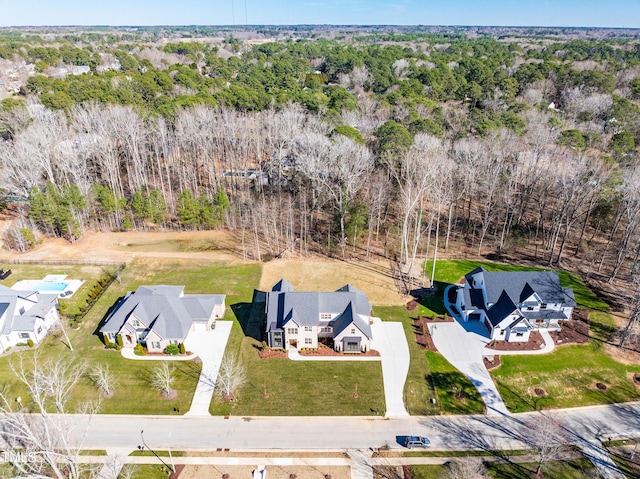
144	444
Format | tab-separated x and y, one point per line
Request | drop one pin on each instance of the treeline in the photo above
406	145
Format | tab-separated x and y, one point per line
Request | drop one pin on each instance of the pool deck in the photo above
47	285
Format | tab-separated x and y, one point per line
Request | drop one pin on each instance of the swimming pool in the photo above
64	289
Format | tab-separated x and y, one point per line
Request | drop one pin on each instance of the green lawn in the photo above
568	375
133	394
451	271
455	392
431	376
299	388
573	469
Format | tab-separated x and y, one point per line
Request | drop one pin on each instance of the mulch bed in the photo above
491	362
324	350
575	331
422	331
269	353
175	475
535	342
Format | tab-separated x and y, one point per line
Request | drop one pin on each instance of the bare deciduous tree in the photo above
103	378
36	442
466	468
231	376
545	434
163	377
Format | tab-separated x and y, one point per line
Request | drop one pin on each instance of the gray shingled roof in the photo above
41	304
501	309
305	307
546	284
163	310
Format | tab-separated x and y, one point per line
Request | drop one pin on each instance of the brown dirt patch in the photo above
601	386
575	331
492	362
215	246
535	342
412	305
170	394
539	392
273	472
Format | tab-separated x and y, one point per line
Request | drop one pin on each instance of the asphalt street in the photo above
447	433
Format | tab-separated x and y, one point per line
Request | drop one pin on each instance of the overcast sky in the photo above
589	13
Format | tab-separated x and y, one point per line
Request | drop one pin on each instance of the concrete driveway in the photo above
462	344
391	342
209	346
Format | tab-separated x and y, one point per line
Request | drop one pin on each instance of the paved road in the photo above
478	432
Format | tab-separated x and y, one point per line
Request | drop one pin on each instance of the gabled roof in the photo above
39	305
346	319
501	309
284	303
519	285
546	284
163	309
282	285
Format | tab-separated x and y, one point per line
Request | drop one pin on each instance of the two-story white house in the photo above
512	304
301	319
157	316
25	315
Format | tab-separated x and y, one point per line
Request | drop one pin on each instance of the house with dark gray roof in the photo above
25	315
512	304
157	316
296	319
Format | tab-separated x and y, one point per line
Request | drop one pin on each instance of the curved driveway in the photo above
462	344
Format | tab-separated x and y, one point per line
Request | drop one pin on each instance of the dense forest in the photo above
334	141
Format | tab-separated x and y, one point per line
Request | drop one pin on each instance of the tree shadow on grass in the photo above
251	315
456	394
432	299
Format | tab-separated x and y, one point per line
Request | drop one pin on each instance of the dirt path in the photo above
127	246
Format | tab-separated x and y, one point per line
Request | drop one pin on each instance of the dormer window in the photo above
325	316
543	306
135	323
22	310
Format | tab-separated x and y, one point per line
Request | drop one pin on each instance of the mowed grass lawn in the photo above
431	376
133	395
298	388
569	375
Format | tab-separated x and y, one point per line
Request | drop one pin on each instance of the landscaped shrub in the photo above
172	349
138	349
119	340
30	343
112	346
183	350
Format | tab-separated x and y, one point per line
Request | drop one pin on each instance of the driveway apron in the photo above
463	348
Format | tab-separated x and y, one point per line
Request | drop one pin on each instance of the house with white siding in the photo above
340	318
512	304
25	315
157	316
